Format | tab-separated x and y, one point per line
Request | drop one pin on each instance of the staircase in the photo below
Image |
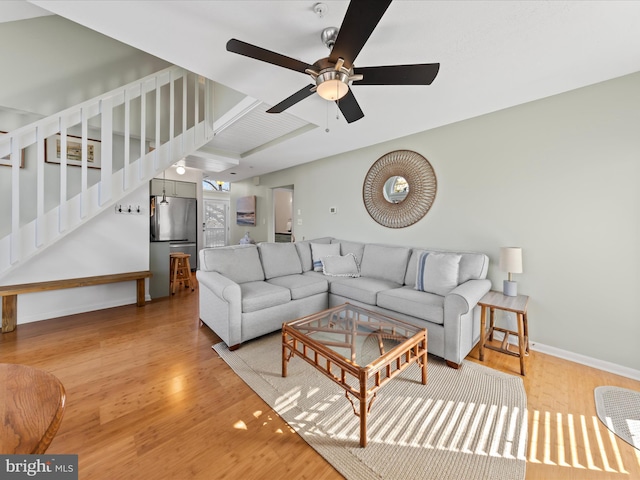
114	143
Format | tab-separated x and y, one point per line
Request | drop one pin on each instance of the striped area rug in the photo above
467	424
619	409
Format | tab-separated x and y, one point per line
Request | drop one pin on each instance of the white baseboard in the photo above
73	310
578	358
588	361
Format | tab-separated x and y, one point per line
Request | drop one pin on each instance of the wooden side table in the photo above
496	300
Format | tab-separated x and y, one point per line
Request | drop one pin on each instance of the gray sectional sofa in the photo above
249	290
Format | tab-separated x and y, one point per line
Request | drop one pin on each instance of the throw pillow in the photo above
340	266
437	272
320	250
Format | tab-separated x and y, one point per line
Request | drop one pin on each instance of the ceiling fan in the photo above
334	74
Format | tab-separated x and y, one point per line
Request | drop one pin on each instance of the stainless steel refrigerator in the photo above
175	222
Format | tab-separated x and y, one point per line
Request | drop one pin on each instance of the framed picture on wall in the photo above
6	161
246	211
74	151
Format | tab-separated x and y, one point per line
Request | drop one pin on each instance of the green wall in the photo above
557	177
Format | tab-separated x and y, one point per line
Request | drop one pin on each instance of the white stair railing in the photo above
93	154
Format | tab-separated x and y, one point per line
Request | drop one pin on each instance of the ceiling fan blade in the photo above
419	74
292	100
349	107
248	50
361	19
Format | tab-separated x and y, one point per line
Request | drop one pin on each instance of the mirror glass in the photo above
395	189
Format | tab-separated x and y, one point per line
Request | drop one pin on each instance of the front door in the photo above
216	223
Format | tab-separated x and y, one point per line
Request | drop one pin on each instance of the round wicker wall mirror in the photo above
417	195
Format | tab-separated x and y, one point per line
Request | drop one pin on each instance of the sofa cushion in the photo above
409	301
320	250
473	266
340	265
322	240
327	278
362	289
385	262
301	286
279	259
437	272
240	263
261	295
346	247
304	252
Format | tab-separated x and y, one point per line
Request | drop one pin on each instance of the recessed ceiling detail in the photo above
254	129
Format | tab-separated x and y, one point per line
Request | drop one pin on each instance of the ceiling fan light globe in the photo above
332	85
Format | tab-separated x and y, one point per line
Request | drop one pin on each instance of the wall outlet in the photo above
299	221
333	210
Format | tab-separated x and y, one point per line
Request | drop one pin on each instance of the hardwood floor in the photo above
149	398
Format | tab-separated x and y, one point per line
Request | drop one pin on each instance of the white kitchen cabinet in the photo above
185	189
173	188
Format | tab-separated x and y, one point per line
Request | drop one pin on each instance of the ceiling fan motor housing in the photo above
328	36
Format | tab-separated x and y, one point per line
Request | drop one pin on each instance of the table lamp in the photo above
510	262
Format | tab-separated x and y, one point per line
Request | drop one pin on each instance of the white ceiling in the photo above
493	55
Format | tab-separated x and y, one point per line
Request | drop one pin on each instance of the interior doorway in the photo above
283	214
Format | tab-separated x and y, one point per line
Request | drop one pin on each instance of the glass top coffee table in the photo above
358	349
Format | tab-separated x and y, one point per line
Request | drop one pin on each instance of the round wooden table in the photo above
32	403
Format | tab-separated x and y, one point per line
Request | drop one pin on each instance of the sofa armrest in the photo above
466	296
218	284
459	319
220	302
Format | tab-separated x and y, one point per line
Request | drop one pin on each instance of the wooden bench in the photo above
9	293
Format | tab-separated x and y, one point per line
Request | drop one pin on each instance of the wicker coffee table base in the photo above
361	383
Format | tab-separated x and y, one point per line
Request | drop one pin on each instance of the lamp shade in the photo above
511	259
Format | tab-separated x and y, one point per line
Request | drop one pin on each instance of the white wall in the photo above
558	177
55	63
263	231
108	243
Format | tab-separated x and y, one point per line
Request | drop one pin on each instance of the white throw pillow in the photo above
437	272
340	266
321	250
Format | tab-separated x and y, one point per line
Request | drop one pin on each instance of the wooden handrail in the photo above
9	293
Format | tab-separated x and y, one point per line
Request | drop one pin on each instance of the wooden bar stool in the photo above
180	271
